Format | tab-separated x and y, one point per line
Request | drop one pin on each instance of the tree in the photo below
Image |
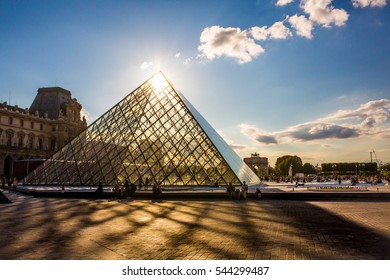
308	168
283	164
349	168
271	171
385	169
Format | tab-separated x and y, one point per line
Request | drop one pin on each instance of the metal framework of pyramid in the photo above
153	132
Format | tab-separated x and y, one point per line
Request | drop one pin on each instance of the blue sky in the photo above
305	77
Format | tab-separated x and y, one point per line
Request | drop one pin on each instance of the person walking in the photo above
244	190
146	183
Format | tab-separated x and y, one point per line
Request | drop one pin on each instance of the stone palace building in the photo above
28	136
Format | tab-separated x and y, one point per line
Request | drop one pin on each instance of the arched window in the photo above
9	139
20	141
30	144
40	143
53	144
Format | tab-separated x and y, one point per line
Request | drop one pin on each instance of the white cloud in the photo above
277	31
187	60
217	41
321	12
85	114
177	55
367	3
369	119
283	2
302	25
319	130
257	135
258	33
368	115
146	65
235	146
231	143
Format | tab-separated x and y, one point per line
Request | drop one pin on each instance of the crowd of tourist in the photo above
8	183
353	180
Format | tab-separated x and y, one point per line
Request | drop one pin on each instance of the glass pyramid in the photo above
153	132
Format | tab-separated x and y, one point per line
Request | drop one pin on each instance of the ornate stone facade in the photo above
35	134
258	164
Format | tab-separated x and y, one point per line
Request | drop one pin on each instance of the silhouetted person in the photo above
14	183
99	190
244	190
146	183
126	189
159	191
230	191
117	191
258	193
154	191
133	189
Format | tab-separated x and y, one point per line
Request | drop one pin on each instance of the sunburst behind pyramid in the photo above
153	132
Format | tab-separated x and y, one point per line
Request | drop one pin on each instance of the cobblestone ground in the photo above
50	228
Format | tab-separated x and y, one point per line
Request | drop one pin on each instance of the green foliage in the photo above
349	168
271	170
308	168
385	169
283	164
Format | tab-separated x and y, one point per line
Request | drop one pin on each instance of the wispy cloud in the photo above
368	3
369	119
283	2
231	143
146	65
187	60
369	114
326	145
256	134
319	130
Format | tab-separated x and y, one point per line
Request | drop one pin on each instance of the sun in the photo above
158	83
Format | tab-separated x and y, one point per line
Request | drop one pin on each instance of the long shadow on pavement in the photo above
52	228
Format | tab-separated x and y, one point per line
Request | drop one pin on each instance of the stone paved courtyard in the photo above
52	228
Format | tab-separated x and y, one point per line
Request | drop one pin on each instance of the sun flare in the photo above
158	83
